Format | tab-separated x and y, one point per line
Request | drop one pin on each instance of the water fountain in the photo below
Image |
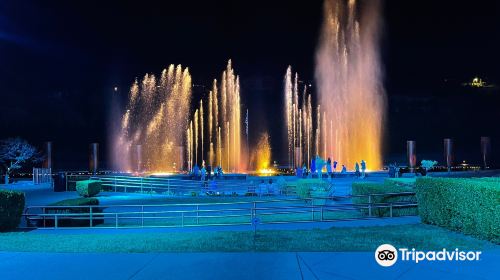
155	119
345	124
349	84
224	133
299	121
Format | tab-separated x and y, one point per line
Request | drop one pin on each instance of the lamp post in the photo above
448	153
485	151
93	158
411	152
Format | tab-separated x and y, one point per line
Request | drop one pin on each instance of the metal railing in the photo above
42	175
162	185
208	214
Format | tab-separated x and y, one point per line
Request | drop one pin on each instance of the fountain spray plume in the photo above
156	119
263	153
201	130
348	79
224	124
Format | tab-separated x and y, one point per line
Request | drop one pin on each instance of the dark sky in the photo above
59	60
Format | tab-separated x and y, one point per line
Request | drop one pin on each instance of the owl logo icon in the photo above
386	255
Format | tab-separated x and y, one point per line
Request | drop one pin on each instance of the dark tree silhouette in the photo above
15	152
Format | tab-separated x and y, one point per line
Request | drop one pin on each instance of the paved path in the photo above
286	265
41	194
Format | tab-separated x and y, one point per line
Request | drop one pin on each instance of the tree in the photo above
15	152
428	164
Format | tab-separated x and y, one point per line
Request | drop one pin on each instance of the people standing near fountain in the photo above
262	188
212	188
196	171
329	167
221	172
320	163
304	170
356	168
298	172
209	172
203	174
313	166
270	187
344	169
363	168
335	167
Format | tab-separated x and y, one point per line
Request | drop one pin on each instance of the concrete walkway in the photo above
287	265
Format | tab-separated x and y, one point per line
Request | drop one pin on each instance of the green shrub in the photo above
88	188
470	206
363	188
74	221
77	202
408	182
11	209
304	187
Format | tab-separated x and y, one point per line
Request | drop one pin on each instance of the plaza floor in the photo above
218	265
286	265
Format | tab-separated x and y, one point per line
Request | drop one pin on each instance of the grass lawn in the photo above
419	236
211	219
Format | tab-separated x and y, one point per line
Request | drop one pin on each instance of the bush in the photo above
74	221
306	186
363	188
400	182
88	188
11	209
470	206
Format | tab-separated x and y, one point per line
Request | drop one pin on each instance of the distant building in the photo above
478	82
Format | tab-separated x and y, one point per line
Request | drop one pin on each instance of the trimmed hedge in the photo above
11	209
363	188
304	187
75	221
88	188
470	206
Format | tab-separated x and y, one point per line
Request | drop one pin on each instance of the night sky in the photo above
59	62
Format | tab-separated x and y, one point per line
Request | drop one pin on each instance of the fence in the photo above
42	175
207	214
170	186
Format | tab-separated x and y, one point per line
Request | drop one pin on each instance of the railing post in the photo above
390	209
55	221
321	213
115	184
168	186
182	219
142	216
197	214
66	178
254	210
312	209
90	214
141	183
369	205
116	220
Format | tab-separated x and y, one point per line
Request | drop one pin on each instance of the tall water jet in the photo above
156	118
297	117
288	113
263	153
348	80
224	125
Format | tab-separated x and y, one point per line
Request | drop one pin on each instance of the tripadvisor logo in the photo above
387	255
